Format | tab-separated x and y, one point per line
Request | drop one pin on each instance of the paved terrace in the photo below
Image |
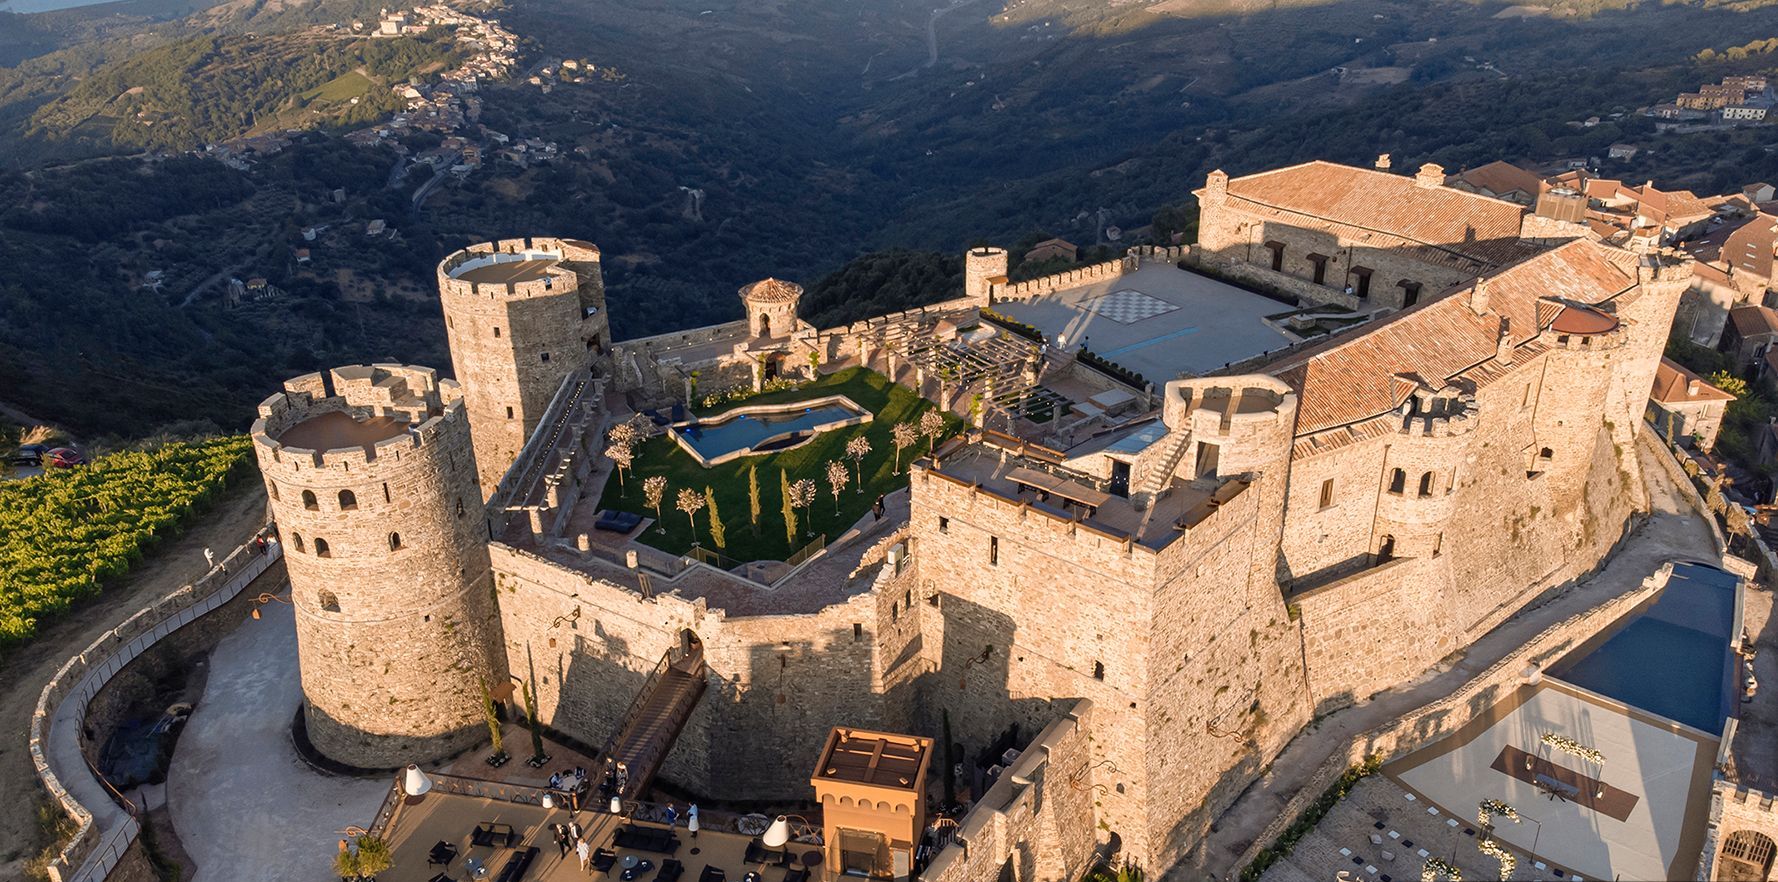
1022	479
1160	321
417	825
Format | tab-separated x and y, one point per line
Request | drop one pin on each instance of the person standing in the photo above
691	820
672	816
561	834
586	854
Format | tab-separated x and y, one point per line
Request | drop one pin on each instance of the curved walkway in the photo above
246	808
1674	530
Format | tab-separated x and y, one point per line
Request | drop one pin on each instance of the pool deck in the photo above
1160	321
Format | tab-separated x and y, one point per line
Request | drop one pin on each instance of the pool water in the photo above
1673	658
762	431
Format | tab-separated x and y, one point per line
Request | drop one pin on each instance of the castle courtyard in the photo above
1160	321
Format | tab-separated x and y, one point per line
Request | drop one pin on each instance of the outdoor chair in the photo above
517	865
604	859
713	874
671	870
442	854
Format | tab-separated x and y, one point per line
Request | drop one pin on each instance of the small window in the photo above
1386	549
894	613
459	508
386	497
321	549
1410	293
1327	497
496	330
1277	249
309	501
1361	282
933	600
944	525
1098	670
1319	261
857	631
543	356
509	412
993	551
1546	454
1398	482
296	541
272	486
1438	544
348	500
1426	484
450	323
394	541
329	601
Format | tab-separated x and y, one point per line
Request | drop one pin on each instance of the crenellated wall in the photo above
387	553
515	336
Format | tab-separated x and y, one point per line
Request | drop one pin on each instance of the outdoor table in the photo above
475	867
631	860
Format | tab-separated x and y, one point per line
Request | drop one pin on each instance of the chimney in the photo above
1383	162
1692	388
1503	345
1431	175
1478	297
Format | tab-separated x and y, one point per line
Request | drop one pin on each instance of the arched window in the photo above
348	500
1098	670
296	541
1426	484
321	549
1386	549
1398	481
329	601
394	541
272	486
309	500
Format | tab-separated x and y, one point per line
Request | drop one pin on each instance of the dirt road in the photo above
240	512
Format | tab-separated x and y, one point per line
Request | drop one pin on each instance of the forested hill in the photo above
206	89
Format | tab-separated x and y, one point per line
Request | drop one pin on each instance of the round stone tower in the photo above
371	475
981	266
771	307
520	316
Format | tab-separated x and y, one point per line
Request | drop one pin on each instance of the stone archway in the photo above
1746	857
765	325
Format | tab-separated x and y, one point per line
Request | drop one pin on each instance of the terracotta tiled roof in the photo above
1500	178
1752	321
771	291
1673	384
1749	248
1373	373
1471	225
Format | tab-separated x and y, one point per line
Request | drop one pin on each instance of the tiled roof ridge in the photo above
1407	179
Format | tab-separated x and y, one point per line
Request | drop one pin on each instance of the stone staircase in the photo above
1155	479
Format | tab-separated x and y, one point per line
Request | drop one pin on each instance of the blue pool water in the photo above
1672	658
753	431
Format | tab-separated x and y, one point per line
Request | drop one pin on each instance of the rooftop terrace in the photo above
506	269
1160	321
332	430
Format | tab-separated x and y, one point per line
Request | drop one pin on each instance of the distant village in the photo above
1736	101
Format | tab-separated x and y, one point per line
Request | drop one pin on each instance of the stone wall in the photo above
1087	275
512	344
1440	718
1735	812
1232	239
776	683
1035	824
387	551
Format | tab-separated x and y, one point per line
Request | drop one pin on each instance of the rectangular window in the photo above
543	356
857	631
496	330
509	413
1410	294
1320	263
944	525
1327	497
994	551
1277	249
1361	282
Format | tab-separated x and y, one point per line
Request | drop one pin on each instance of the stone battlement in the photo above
514	268
1086	275
1441	416
383	410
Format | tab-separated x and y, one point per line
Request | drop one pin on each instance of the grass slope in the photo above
874	392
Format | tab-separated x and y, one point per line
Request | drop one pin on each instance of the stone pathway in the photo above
245	807
1674	530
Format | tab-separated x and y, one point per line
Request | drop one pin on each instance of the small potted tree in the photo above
498	756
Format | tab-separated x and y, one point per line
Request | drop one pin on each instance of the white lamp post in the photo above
617	805
549	801
414	782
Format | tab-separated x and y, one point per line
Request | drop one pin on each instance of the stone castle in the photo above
1155	592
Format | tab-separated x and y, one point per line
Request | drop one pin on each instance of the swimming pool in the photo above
1673	657
765	428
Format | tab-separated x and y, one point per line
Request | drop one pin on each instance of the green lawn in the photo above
872	391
